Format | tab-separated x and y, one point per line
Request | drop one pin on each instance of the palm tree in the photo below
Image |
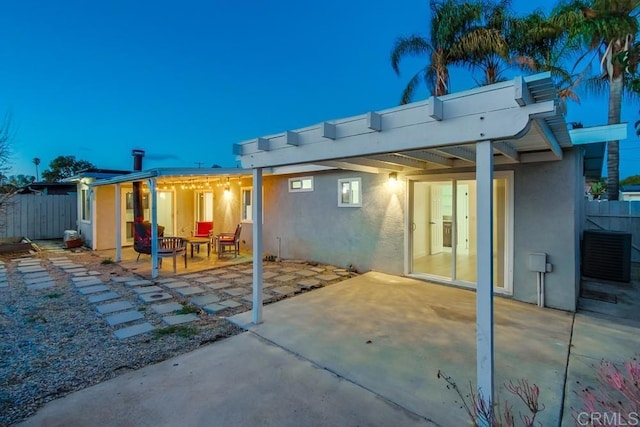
608	28
36	161
456	36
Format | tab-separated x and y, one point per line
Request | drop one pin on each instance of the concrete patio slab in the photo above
179	319
103	297
226	384
169	307
129	331
392	335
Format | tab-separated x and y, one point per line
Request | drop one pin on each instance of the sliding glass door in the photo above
444	229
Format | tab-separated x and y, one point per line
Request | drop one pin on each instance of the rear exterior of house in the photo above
424	225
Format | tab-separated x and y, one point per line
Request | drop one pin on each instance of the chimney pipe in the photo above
138	213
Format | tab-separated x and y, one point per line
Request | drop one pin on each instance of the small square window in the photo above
350	192
247	213
301	184
85	205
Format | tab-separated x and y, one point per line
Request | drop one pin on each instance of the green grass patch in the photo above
187	309
142	308
181	331
53	295
106	261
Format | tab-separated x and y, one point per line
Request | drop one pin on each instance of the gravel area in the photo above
53	342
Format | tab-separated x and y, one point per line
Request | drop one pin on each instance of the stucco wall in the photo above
547	219
312	226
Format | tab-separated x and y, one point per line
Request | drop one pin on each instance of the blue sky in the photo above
185	80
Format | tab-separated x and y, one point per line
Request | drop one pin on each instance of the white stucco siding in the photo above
311	226
547	219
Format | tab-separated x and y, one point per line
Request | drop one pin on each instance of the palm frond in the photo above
408	46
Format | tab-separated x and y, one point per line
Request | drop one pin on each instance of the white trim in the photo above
509	225
350	203
302	179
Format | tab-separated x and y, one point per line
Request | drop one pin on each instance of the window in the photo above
350	192
85	204
304	183
204	205
247	213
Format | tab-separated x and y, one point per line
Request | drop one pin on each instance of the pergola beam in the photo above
400	159
458	152
506	150
430	157
548	137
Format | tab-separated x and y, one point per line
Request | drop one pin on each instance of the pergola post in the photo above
154	227
256	207
484	295
118	218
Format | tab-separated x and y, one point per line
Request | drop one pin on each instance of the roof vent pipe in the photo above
138	213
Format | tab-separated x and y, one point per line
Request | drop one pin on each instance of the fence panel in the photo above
616	216
38	216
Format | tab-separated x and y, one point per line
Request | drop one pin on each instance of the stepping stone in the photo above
204	299
103	297
192	276
76	270
123	279
57	258
138	282
81	274
268	285
175	285
218	272
234	292
37	280
289	269
36	274
179	318
154	296
285	290
77	279
4	285
166	280
230	276
327	277
247	271
205	280
134	330
39	286
124	317
285	278
249	299
230	303
214	308
306	273
343	273
244	281
318	269
191	290
94	273
33	269
219	285
113	307
85	283
169	307
147	289
92	289
70	268
309	283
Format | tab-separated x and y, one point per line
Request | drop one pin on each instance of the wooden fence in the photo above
38	216
616	216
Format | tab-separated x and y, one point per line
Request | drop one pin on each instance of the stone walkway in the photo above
131	305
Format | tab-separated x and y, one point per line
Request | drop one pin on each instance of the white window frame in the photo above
85	204
305	184
246	210
351	203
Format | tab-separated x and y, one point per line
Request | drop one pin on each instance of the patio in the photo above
199	262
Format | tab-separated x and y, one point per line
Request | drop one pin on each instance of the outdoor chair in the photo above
142	237
203	229
172	247
228	242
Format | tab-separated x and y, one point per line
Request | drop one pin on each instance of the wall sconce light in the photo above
227	188
393	177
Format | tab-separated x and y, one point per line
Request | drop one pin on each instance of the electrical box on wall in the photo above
538	262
